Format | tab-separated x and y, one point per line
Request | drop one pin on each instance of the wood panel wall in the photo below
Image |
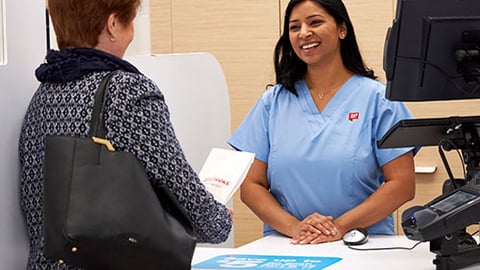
242	34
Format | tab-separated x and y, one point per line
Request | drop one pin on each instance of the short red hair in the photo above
78	23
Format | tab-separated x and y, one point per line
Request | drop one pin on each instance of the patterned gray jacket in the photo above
137	121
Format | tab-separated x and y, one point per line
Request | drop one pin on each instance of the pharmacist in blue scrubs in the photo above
318	171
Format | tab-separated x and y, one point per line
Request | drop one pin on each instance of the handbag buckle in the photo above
104	142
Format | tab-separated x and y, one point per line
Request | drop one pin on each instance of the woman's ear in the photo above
342	31
112	25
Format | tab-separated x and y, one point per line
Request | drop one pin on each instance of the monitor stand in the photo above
459	249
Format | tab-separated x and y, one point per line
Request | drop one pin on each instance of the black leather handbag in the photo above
102	213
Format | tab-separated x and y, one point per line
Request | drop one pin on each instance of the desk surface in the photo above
419	258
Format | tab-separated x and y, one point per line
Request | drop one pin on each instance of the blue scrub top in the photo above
326	162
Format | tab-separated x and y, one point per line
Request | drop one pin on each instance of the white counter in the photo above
420	258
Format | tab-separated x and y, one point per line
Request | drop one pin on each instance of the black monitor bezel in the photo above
415	44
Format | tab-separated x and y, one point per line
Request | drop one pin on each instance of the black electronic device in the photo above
443	222
444	215
432	50
460	133
460	130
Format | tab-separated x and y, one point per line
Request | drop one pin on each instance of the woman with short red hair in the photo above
92	37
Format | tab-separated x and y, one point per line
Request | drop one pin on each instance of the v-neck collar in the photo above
332	105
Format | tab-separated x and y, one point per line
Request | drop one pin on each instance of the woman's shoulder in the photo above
372	94
135	82
132	78
370	89
369	84
271	96
274	92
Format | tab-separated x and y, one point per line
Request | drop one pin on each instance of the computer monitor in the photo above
432	51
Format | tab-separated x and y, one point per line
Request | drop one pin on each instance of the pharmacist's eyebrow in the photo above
309	17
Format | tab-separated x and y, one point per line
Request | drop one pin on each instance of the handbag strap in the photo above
97	125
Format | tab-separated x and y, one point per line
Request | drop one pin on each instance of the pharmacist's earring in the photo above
342	33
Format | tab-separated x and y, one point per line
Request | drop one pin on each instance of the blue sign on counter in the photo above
265	262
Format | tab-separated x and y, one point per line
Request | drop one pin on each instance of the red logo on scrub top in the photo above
353	116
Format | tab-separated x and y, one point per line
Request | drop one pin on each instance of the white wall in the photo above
25	49
2	38
142	39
